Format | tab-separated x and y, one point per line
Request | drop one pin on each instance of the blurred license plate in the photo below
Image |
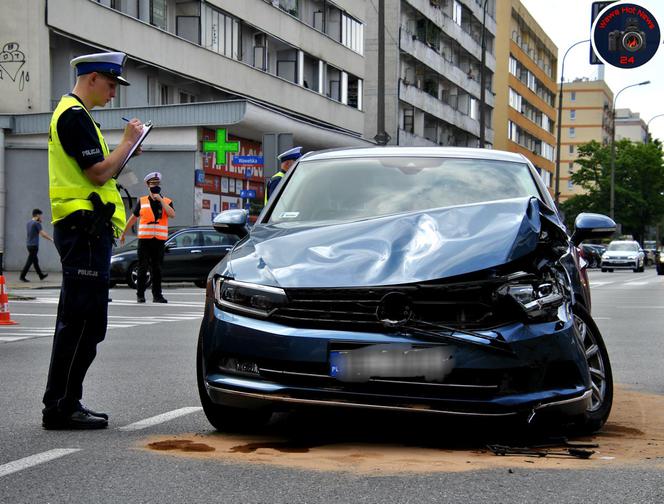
392	361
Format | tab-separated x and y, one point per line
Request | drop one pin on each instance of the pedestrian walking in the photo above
34	231
152	211
87	213
286	160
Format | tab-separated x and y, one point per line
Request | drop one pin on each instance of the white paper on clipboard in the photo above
147	127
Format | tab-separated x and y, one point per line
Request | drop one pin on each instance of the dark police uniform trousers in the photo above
82	309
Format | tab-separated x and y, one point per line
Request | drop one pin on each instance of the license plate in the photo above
392	361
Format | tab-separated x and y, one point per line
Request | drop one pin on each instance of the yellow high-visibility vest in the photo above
279	174
69	188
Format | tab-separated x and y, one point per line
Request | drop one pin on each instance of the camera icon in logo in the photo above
630	39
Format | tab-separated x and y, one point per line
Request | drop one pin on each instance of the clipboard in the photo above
147	127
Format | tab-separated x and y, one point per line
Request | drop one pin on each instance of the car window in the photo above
186	239
215	239
359	188
624	247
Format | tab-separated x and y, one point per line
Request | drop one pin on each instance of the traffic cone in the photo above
5	318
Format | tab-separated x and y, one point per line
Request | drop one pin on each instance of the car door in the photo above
182	257
215	246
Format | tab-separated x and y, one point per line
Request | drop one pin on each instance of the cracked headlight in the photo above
248	298
536	300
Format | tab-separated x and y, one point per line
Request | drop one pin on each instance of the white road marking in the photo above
121	302
599	284
33	460
164	417
9	339
636	283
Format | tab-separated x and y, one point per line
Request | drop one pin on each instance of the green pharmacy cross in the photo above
221	146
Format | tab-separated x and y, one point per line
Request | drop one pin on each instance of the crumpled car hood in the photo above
396	249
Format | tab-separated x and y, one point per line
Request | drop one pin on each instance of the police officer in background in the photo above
87	213
154	210
286	160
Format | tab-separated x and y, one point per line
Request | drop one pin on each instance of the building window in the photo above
570	167
158	13
571	149
474	109
547	151
352	33
221	33
354	92
513	66
163	94
457	12
570	185
408	120
572	115
572	96
572	132
289	6
515	100
186	97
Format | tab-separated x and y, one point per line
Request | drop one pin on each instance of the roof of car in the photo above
451	152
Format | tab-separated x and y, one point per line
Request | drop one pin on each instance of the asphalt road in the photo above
144	376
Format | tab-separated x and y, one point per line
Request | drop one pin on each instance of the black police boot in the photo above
78	420
160	299
140	298
93	413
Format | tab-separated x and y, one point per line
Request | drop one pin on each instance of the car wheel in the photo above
132	277
604	270
601	377
226	418
200	283
660	271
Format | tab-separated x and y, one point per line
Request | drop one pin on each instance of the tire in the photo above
226	418
200	283
601	376
603	270
660	271
132	276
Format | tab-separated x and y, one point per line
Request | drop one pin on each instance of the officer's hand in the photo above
122	239
133	131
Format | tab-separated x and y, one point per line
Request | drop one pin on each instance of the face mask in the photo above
155	190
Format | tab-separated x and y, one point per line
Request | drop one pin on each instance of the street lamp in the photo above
483	76
560	116
613	147
648	139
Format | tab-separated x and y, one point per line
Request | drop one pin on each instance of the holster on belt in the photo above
101	215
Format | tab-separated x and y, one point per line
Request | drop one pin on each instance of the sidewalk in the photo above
12	280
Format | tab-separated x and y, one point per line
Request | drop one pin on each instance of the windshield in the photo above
624	247
360	188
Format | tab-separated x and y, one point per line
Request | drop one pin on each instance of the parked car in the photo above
429	280
592	254
650	250
190	253
624	254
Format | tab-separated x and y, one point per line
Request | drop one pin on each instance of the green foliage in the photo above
639	184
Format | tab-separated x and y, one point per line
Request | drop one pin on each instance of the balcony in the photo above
436	62
455	31
424	101
143	42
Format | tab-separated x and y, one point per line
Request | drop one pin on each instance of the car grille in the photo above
469	305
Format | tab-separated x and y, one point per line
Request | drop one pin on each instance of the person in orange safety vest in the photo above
152	212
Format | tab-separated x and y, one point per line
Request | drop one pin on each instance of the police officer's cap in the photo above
152	175
294	153
108	63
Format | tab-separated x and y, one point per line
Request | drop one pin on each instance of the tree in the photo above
639	184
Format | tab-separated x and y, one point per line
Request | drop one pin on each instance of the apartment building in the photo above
630	126
586	116
432	71
268	73
525	85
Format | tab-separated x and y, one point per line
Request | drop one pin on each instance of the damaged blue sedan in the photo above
431	280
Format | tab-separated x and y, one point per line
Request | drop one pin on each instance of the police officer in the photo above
287	159
153	210
87	213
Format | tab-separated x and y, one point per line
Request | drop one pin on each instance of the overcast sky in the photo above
568	21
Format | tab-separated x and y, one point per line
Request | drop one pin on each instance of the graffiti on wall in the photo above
12	61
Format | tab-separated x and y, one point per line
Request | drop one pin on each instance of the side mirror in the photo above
231	222
592	226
